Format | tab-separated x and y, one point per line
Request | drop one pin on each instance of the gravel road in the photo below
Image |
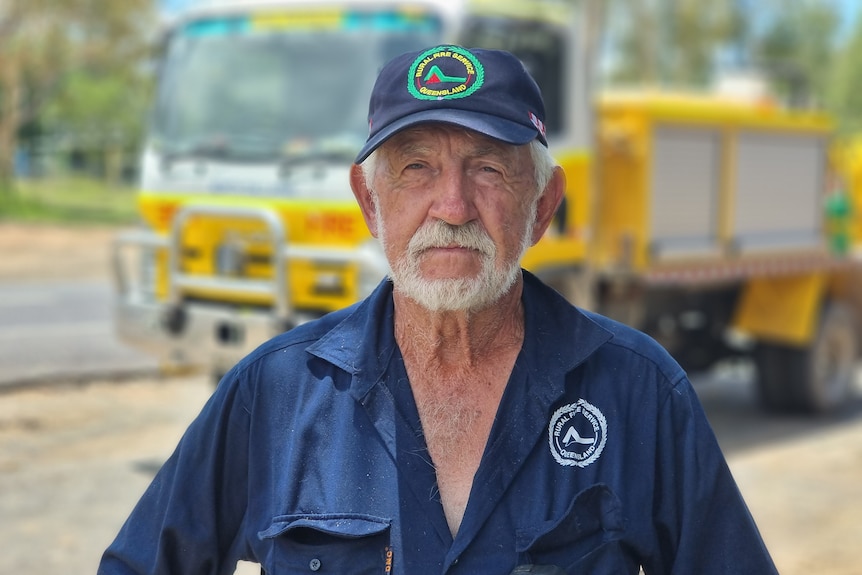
74	458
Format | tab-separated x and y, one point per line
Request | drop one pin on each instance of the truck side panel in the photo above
686	180
779	190
781	309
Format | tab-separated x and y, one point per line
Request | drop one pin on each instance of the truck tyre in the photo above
813	379
772	376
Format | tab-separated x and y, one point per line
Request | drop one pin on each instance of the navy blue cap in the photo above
488	91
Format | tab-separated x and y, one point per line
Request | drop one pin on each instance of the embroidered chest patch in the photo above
577	434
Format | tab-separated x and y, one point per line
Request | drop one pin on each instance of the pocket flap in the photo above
348	526
594	511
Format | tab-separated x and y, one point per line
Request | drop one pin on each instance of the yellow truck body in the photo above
697	218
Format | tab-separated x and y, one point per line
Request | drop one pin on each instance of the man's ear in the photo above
549	201
364	197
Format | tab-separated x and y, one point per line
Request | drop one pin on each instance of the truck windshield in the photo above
277	87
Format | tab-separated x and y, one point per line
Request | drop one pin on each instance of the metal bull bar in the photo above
203	332
282	253
277	288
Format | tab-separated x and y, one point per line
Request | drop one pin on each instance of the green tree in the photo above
671	42
685	43
796	50
50	49
844	96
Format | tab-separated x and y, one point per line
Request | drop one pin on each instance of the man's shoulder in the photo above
627	339
558	314
609	341
298	339
339	337
317	328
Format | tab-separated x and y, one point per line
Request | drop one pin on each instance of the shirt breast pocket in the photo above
587	539
331	543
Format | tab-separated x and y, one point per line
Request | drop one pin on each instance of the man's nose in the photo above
453	198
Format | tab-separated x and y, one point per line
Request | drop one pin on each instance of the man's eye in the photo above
490	169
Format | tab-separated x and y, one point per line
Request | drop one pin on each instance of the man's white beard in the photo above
455	294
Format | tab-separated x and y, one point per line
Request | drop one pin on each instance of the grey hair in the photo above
369	169
543	166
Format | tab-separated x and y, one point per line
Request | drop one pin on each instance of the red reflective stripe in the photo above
741	270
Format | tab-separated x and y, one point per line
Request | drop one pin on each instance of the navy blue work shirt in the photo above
309	458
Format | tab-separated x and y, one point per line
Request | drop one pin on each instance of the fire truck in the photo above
699	219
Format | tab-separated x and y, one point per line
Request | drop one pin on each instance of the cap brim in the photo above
491	126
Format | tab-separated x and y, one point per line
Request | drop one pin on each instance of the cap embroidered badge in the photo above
488	91
427	79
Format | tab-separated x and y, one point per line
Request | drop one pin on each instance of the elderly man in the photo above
464	418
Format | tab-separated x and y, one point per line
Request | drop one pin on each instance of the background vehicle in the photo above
697	219
711	235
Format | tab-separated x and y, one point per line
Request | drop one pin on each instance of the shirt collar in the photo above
558	337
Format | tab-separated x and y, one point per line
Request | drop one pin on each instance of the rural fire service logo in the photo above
577	434
445	73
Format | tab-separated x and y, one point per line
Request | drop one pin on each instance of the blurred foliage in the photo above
792	44
844	96
671	43
73	67
77	73
71	200
796	49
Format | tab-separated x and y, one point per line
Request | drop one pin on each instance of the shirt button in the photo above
314	564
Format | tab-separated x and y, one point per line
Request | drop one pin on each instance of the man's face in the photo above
455	213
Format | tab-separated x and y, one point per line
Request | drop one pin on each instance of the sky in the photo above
849	9
171	6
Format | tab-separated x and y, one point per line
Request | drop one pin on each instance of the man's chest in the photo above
376	510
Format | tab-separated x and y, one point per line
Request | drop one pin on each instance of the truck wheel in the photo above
814	379
773	373
833	361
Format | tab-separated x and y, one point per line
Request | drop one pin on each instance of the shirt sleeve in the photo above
188	519
703	524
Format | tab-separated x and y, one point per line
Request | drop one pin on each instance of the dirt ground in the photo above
804	490
39	252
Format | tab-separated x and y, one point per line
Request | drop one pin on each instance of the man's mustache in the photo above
439	234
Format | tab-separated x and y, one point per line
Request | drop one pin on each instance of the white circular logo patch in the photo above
577	434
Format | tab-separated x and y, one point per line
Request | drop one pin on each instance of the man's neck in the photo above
459	339
459	364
